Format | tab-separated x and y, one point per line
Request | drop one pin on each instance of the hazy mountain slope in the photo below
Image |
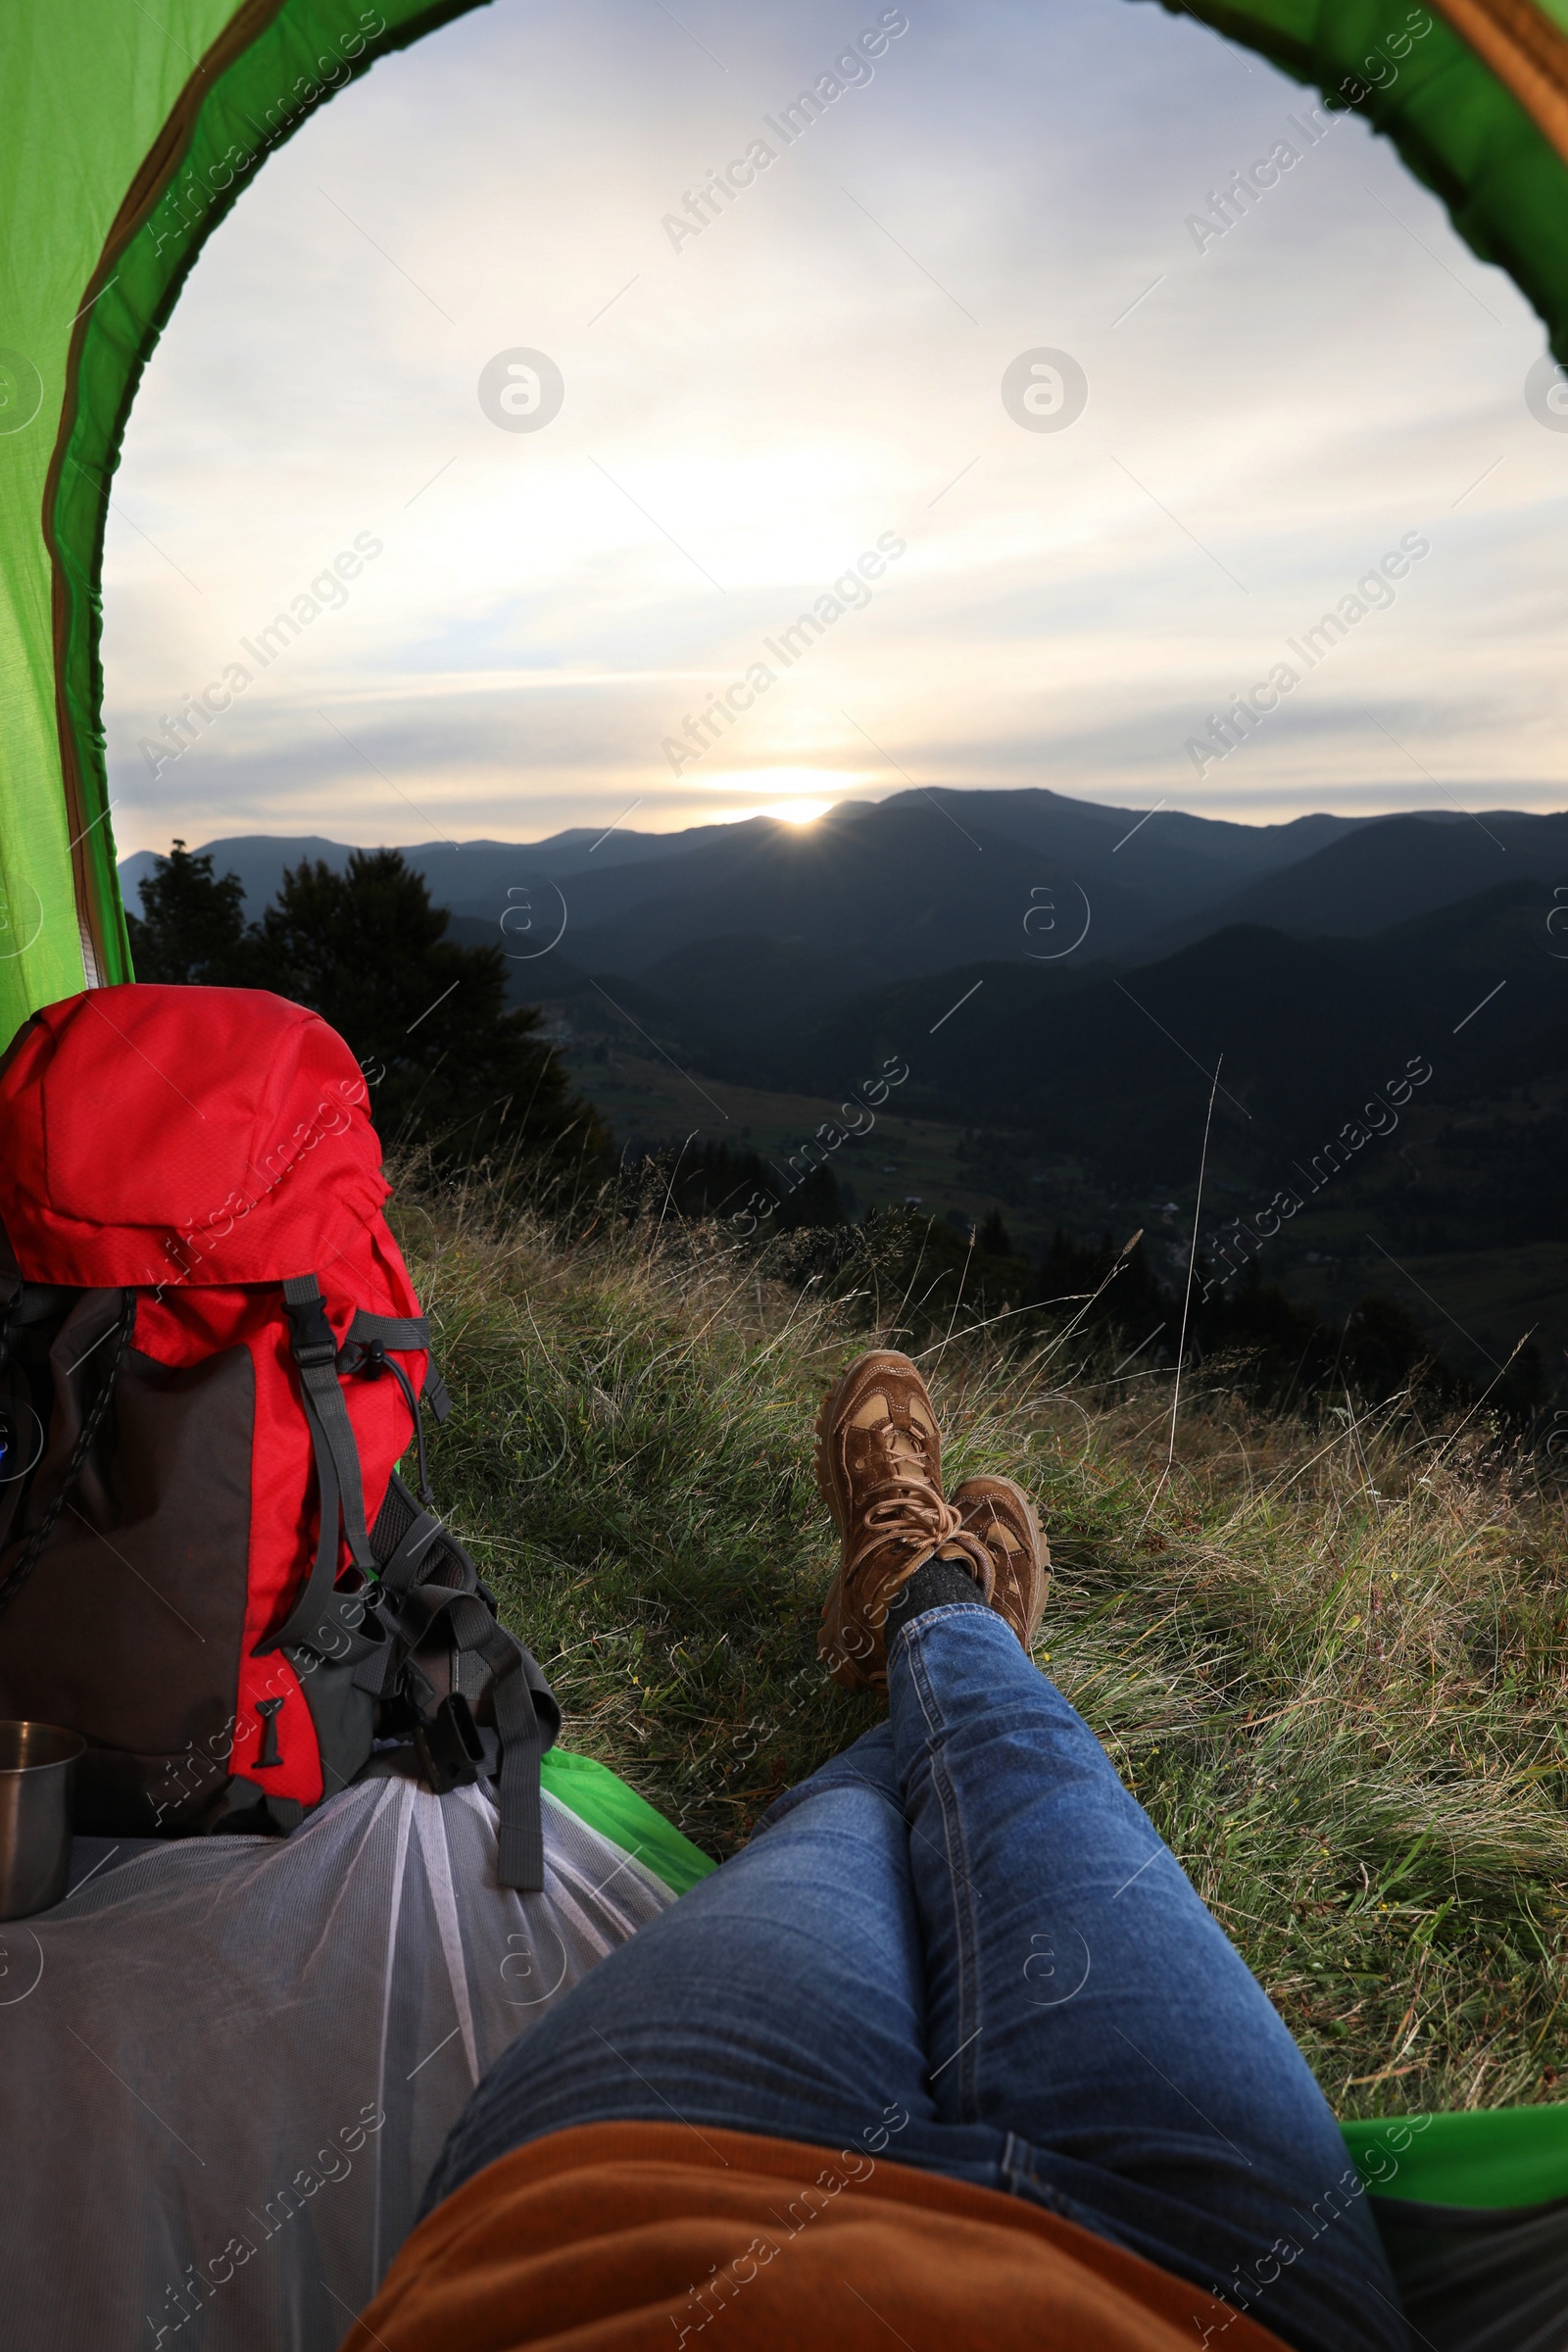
900	892
1114	1065
1389	871
1164	852
760	927
259	860
892	875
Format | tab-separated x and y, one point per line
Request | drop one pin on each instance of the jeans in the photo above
962	1943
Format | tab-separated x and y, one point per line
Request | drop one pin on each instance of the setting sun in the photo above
796	812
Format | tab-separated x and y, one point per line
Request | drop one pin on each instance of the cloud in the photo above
821	365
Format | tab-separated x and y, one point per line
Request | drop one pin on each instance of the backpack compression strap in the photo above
412	1604
364	1350
371	1336
521	1856
338	1460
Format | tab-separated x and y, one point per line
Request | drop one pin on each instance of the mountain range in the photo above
1065	980
927	881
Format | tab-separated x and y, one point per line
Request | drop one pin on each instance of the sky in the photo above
750	403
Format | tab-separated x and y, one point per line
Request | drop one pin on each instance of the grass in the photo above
1330	1657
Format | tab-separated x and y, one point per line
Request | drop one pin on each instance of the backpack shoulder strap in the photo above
337	1458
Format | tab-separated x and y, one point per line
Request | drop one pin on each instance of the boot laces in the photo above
906	1506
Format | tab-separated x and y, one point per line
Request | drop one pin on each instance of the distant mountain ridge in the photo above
889	881
739	929
761	925
871	871
261	859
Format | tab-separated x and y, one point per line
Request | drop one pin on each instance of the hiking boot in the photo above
879	1466
1002	1515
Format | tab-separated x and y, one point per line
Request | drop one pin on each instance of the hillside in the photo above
1330	1658
1083	1096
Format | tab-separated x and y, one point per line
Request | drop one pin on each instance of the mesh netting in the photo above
228	2064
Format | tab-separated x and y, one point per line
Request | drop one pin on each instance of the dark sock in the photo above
938	1585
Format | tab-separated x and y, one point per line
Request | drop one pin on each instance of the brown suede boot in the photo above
1002	1515
879	1466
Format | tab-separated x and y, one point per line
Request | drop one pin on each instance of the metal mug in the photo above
37	1766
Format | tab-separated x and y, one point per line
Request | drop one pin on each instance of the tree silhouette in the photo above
450	1065
192	926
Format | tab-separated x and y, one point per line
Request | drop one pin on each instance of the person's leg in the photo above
1083	2000
784	1995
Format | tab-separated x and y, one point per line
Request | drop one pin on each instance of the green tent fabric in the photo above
132	131
1491	2157
1473	2210
598	1796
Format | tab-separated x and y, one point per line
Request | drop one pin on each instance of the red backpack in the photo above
211	1360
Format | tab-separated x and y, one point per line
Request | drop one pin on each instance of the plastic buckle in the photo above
451	1745
312	1342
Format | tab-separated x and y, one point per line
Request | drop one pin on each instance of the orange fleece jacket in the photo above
642	2237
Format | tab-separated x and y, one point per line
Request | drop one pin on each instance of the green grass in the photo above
1330	1658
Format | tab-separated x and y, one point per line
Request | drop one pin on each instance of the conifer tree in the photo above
450	1065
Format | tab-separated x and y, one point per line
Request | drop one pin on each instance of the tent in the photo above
132	133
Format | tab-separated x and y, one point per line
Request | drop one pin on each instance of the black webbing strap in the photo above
12	1287
521	1862
337	1459
399	1572
373	1670
410	1333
